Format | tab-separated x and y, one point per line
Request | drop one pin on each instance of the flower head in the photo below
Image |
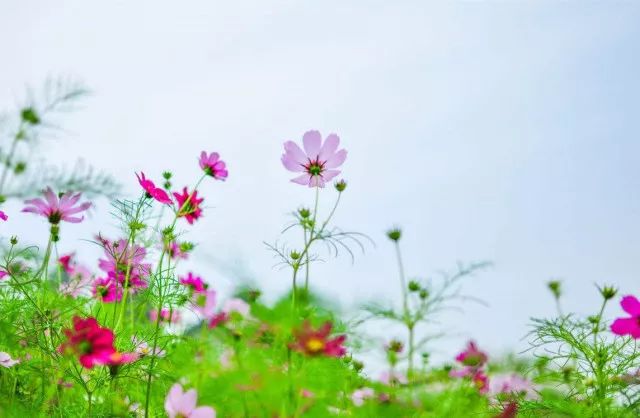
3	216
152	191
316	342
194	283
513	384
178	251
58	209
631	325
183	404
107	289
204	303
318	162
189	205
360	395
471	356
92	344
166	316
6	360
142	348
125	262
213	165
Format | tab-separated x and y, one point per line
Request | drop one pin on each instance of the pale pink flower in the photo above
183	404
57	209
236	305
318	162
389	378
204	303
142	348
213	165
360	395
512	384
79	281
166	316
6	360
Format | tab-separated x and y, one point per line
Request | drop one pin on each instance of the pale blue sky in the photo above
502	131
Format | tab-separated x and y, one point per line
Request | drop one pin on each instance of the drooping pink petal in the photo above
303	179
328	175
189	401
203	412
291	164
631	305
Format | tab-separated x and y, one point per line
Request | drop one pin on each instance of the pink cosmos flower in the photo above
194	283
57	209
189	205
3	274
471	356
360	395
107	289
6	360
3	216
631	325
180	404
152	191
512	383
66	262
124	258
318	161
166	316
93	344
213	165
231	308
175	251
389	378
204	303
316	342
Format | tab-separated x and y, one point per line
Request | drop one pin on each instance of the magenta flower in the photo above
3	216
57	209
213	165
92	344
318	161
471	356
628	326
152	191
107	289
189	205
183	404
176	251
194	283
166	316
125	259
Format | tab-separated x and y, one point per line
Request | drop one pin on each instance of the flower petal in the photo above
203	412
631	305
626	326
329	147
312	141
304	179
336	159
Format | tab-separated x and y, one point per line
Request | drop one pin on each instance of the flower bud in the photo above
414	286
608	292
14	240
30	116
20	167
294	255
424	293
340	185
304	213
394	234
167	175
554	286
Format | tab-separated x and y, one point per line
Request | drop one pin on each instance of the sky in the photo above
497	131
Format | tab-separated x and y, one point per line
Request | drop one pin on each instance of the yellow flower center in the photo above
314	345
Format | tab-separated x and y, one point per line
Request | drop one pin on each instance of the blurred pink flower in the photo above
125	259
512	384
194	283
166	316
628	326
318	161
57	209
107	289
313	342
142	348
360	395
175	251
390	378
183	404
152	191
213	165
472	356
204	303
3	216
6	360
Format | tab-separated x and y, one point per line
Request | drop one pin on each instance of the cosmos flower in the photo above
180	404
152	191
142	348
318	162
631	325
107	289
3	216
6	360
512	384
193	282
57	209
471	356
316	342
360	395
213	165
204	303
189	205
125	259
166	316
93	344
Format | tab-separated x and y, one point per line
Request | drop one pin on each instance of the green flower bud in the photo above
394	234
554	286
29	115
340	185
414	286
608	292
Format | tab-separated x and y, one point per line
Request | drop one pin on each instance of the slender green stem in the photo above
12	151
313	227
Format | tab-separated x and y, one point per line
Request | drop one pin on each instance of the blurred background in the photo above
498	131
